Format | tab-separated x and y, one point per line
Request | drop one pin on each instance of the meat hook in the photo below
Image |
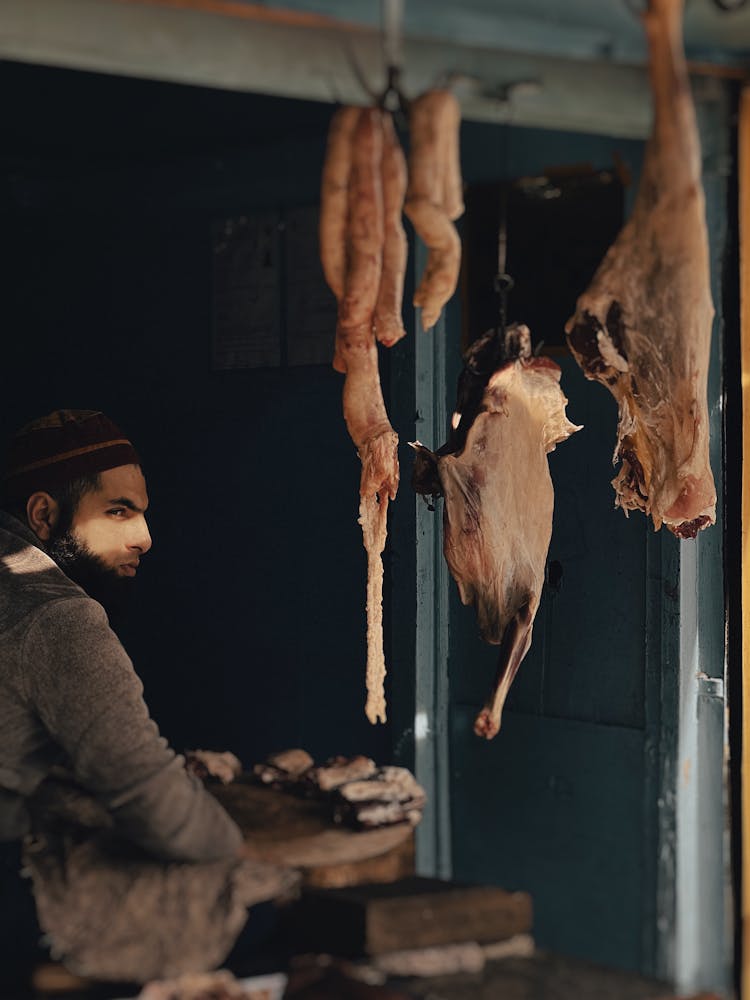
393	98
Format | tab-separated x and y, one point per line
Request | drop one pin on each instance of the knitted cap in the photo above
60	447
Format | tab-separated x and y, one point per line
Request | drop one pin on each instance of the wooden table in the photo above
287	829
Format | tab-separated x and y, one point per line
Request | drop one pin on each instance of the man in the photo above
73	532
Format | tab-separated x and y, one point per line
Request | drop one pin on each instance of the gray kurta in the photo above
70	699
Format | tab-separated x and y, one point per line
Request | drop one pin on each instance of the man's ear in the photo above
42	512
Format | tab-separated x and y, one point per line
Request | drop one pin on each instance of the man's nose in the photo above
141	539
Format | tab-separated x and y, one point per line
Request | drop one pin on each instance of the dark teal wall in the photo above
249	627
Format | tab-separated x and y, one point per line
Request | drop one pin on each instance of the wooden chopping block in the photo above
398	863
413	912
298	832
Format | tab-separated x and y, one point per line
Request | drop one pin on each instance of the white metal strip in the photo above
431	743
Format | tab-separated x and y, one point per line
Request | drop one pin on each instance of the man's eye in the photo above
117	511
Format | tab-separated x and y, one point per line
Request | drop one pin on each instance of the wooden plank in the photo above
435	913
545	975
395	864
411	913
744	239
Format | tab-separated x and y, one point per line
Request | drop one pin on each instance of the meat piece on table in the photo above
494	476
339	770
434	196
391	795
643	327
293	762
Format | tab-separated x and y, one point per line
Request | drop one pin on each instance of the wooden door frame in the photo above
743	150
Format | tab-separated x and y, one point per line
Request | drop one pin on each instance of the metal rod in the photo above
393	42
503	281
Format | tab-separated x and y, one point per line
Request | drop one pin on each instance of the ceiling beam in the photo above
311	57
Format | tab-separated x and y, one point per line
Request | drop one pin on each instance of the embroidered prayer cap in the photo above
62	446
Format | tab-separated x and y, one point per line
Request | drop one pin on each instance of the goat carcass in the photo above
494	476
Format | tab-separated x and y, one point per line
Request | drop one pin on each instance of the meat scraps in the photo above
494	476
643	327
390	795
358	792
212	765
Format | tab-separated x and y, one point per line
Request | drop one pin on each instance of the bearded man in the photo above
73	532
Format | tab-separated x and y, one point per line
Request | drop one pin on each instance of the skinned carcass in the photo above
643	327
494	476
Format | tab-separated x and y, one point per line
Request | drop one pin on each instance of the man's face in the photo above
110	522
101	548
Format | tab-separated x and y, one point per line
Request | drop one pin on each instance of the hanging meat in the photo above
389	324
494	476
643	327
361	255
434	197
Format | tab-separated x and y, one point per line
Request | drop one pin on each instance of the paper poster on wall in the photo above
310	305
246	327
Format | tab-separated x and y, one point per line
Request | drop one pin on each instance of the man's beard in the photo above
90	572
